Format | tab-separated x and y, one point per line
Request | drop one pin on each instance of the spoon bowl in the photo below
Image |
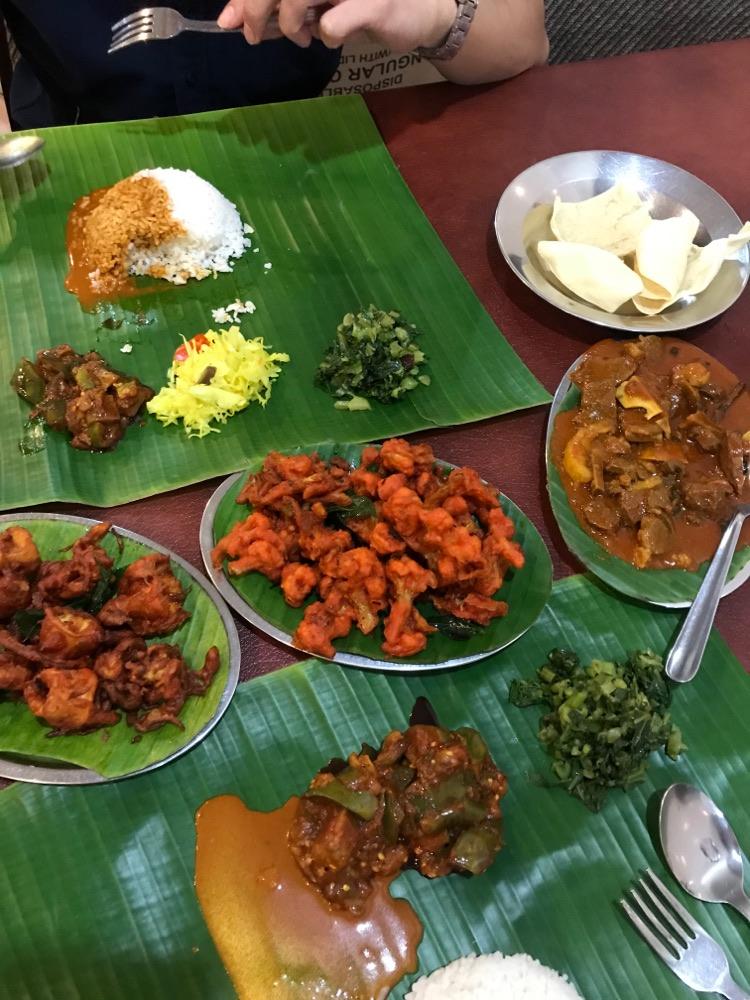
701	848
16	149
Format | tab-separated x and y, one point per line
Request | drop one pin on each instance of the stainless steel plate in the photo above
248	612
524	210
557	404
50	772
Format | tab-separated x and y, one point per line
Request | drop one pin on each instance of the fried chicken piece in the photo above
405	629
384	542
354	580
364	481
298	580
402	510
397	455
471	606
69	700
69	634
317	541
149	598
15	593
14	674
152	683
320	624
18	552
388	486
302	477
64	580
452	550
499	552
252	545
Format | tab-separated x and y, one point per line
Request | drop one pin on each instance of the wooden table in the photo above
458	148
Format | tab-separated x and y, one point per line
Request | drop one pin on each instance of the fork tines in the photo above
669	930
135	27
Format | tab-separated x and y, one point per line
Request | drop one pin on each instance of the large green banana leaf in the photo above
525	591
658	586
96	885
111	752
339	227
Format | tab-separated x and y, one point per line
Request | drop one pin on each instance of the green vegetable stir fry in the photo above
374	356
605	720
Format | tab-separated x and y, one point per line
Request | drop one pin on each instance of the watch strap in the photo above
456	37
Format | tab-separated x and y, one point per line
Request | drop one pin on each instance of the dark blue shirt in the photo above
65	75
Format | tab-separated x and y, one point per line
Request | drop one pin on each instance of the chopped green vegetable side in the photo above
374	356
605	720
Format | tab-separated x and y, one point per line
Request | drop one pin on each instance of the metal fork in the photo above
692	954
150	24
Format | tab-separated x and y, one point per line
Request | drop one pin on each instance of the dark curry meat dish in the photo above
654	458
429	798
78	656
81	394
374	540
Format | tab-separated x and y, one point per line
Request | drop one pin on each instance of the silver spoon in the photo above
687	652
16	149
701	848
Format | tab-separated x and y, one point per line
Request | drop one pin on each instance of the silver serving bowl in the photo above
523	214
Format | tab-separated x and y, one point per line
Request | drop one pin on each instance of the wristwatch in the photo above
456	37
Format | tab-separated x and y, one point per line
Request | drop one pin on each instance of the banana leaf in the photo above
657	586
111	752
526	590
96	886
338	225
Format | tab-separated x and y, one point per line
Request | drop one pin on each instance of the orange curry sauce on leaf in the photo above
692	509
139	213
276	934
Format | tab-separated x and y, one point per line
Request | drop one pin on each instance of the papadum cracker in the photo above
593	274
599	238
612	220
702	266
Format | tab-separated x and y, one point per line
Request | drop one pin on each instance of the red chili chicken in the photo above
373	541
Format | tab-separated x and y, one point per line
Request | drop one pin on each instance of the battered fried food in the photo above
19	564
69	634
152	683
373	541
62	580
83	668
149	598
18	551
14	674
68	700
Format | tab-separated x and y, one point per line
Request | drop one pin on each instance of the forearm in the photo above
505	38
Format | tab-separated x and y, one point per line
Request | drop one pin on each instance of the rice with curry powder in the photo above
165	223
494	977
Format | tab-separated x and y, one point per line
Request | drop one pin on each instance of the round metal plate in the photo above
524	210
49	772
248	612
557	404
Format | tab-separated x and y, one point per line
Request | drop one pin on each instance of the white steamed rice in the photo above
494	977
215	234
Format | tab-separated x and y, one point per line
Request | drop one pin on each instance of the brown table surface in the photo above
458	148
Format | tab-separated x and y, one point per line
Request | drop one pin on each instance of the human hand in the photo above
401	26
